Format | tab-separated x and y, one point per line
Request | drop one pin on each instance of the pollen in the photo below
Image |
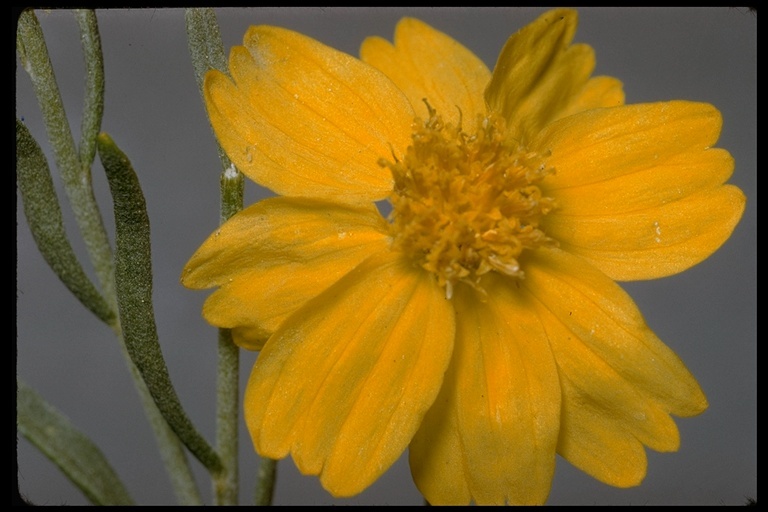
465	204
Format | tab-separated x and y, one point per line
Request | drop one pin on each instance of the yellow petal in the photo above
619	382
539	73
425	63
658	182
605	420
436	454
306	120
605	143
639	188
654	242
600	91
274	256
344	383
492	432
607	321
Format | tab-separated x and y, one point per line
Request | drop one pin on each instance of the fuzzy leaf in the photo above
133	277
41	207
76	455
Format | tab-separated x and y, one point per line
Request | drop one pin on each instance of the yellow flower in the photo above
479	324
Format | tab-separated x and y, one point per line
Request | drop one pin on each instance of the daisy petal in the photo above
606	420
344	383
665	240
436	454
539	73
605	143
598	92
620	382
492	433
648	170
607	320
647	186
427	64
272	257
350	116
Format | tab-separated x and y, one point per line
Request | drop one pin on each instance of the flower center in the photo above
464	205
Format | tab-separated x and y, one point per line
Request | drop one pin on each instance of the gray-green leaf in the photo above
76	455
41	207
133	279
93	106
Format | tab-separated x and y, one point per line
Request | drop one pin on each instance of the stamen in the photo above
467	204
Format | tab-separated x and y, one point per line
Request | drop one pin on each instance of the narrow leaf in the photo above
93	107
205	46
41	207
133	277
207	52
76	455
76	175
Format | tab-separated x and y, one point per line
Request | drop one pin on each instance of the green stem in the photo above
171	449
226	488
207	52
76	175
265	482
228	381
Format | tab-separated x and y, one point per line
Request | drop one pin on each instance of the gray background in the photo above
154	113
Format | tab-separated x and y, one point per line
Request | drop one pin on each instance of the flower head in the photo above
479	324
